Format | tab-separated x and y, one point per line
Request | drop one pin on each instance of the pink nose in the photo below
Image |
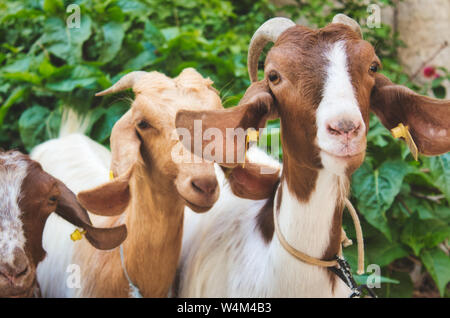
345	128
205	185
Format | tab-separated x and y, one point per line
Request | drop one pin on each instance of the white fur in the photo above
338	102
224	254
81	164
12	173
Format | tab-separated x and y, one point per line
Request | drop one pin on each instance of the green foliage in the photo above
45	63
44	66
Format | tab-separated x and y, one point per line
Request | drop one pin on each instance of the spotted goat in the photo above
28	196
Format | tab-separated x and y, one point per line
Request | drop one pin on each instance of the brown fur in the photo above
298	62
264	219
153	188
40	195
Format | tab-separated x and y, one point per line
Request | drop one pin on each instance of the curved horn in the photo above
269	31
125	82
343	19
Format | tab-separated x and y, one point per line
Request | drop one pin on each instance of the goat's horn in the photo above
342	18
126	81
269	31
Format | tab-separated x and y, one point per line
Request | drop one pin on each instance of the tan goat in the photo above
149	190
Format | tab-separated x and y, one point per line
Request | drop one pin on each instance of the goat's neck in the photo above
310	219
155	227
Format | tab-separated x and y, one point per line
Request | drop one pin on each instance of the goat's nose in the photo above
19	268
205	185
346	127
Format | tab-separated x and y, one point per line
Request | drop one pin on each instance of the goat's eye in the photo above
373	67
274	77
143	124
52	200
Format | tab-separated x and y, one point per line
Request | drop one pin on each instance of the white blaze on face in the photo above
13	170
338	101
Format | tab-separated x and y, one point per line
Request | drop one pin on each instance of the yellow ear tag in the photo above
402	131
252	136
111	175
77	235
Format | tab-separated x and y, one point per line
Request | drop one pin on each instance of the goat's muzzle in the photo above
17	278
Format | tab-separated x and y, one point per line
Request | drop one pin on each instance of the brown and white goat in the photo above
322	84
28	195
149	188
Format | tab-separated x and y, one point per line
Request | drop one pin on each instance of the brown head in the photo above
28	196
144	141
322	84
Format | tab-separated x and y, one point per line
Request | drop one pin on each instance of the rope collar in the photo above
134	290
338	265
324	263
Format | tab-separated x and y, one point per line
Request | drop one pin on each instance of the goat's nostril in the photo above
333	131
346	126
21	273
205	185
196	187
13	274
343	127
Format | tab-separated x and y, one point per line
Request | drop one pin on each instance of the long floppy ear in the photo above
101	238
428	118
252	181
254	110
113	197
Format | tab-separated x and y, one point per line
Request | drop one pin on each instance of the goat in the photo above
322	85
28	196
149	188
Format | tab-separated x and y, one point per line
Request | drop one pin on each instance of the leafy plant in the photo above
44	65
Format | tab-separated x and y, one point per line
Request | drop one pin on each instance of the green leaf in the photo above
144	59
15	97
419	234
46	69
80	76
170	33
438	265
404	289
64	42
440	172
382	252
23	77
439	91
53	6
376	190
113	34
102	128
32	126
362	279
152	34
19	65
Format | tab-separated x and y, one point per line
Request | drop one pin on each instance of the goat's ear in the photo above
428	118
109	199
125	145
253	112
112	198
101	238
253	181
